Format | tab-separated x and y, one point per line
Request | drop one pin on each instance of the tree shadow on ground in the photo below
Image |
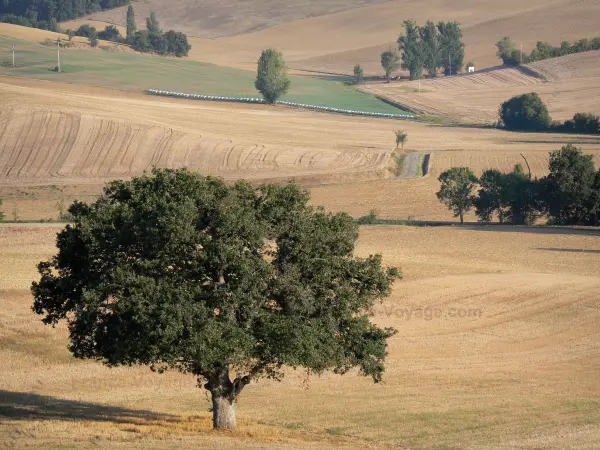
569	250
593	231
26	406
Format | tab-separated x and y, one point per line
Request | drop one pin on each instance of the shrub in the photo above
369	219
110	33
525	112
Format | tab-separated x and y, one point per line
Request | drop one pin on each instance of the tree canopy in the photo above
456	190
227	283
271	77
525	112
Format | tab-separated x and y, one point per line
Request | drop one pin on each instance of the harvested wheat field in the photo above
497	347
567	85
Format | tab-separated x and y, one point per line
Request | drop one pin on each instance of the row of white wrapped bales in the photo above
260	100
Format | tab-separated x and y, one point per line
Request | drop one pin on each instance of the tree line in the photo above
528	112
430	47
46	14
510	55
568	195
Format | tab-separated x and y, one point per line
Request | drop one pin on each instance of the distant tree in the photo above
152	25
508	52
492	196
226	282
401	138
358	74
452	47
93	37
177	43
271	78
586	123
141	41
390	61
571	187
456	190
525	112
1	213
411	47
70	34
131	26
110	33
86	31
432	48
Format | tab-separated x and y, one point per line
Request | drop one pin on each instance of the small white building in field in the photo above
471	68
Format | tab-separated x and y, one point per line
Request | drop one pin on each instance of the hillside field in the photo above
498	344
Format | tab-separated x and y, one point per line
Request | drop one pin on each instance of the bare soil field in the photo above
497	348
570	86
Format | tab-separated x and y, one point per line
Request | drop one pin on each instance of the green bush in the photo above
369	219
525	112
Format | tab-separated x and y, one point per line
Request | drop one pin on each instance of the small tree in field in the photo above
131	26
390	61
1	213
271	79
456	191
225	283
525	112
358	74
401	138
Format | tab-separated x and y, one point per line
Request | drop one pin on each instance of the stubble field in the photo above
497	347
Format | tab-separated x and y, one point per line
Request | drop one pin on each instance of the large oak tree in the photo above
226	283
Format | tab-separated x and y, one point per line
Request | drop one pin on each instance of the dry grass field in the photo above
570	86
498	348
498	345
332	36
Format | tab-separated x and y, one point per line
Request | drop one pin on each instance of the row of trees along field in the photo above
510	55
430	47
568	195
153	39
528	112
46	14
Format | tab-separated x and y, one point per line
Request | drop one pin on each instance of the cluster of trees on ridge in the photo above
511	56
46	14
429	47
226	283
528	112
568	195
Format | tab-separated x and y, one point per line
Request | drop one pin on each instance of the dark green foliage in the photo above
525	112
582	123
511	56
432	48
456	190
154	40
271	77
110	33
358	74
131	26
369	219
452	47
46	13
177	270
390	61
513	197
86	31
412	49
572	188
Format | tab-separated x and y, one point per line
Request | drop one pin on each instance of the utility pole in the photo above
58	54
13	50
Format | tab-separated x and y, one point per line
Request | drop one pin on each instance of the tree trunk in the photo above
461	217
223	412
